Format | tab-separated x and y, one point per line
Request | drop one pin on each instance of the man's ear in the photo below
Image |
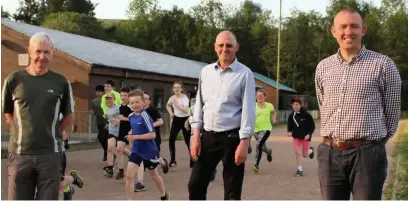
333	31
364	31
237	48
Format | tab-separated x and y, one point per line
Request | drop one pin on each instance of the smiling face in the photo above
137	103
41	53
260	97
348	29
226	47
124	96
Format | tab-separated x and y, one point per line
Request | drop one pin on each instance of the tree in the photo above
75	23
138	8
80	6
4	14
34	11
29	12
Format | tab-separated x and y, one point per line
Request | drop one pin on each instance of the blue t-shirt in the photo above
142	124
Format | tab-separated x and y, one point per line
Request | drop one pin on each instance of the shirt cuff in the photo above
196	125
245	132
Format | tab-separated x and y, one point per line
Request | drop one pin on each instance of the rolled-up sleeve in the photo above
391	96
197	121
248	107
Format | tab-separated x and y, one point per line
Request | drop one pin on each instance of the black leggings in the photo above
261	138
176	126
103	138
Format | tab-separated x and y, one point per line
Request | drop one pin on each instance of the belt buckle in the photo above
340	144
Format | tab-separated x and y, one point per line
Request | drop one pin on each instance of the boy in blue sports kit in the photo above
144	148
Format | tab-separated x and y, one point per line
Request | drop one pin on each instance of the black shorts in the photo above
136	159
122	138
112	136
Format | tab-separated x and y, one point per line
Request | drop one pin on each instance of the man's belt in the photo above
348	144
233	131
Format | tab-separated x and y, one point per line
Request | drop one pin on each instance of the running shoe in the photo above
69	192
255	168
166	196
139	187
269	156
311	155
78	181
298	173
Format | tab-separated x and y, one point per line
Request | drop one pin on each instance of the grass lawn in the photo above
402	174
397	187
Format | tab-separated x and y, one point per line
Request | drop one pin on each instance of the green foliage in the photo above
34	11
75	23
305	36
4	14
402	174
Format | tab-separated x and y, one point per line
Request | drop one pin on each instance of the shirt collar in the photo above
233	66
360	54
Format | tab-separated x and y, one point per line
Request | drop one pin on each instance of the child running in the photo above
263	127
301	127
144	148
113	127
158	121
124	128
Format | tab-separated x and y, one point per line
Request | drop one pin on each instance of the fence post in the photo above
89	124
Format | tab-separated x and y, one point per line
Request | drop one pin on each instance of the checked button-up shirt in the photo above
361	99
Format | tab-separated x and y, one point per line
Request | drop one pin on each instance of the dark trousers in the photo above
360	171
176	126
157	140
103	138
215	148
26	172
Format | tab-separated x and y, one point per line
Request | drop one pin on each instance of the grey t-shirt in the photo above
113	112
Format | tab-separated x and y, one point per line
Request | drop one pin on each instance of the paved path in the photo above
274	180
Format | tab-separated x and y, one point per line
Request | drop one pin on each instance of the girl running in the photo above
179	103
263	127
301	127
144	149
113	127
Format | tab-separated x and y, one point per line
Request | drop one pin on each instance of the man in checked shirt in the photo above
359	93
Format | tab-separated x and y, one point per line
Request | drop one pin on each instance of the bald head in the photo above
226	46
345	12
226	34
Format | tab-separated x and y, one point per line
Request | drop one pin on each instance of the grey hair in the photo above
41	37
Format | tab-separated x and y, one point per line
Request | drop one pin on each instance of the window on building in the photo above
158	98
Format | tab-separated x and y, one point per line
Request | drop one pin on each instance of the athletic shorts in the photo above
112	136
303	145
136	159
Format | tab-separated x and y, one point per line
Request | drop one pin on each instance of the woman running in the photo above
263	127
179	103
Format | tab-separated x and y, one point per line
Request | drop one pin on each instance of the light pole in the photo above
278	59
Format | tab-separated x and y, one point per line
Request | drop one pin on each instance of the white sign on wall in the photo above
23	59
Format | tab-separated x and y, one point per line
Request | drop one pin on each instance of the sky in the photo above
116	9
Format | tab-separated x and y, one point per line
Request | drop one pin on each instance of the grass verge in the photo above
397	186
401	191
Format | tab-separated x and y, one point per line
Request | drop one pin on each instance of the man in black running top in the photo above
33	98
